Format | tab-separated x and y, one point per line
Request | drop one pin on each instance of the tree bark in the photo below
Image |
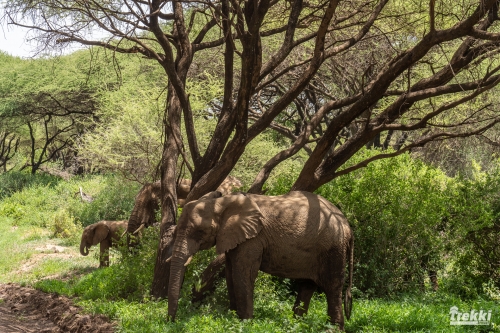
159	288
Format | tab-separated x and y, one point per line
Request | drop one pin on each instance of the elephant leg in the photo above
209	278
332	282
334	300
104	253
230	284
306	290
245	262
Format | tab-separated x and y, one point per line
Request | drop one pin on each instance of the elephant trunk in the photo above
84	250
177	269
143	213
134	223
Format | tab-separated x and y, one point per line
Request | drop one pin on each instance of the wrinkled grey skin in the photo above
147	202
299	236
104	233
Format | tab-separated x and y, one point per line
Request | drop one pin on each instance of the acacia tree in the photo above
54	121
331	76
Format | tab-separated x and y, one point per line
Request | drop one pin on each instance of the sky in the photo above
13	41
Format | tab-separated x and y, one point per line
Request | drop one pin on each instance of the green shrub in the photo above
475	234
37	202
33	205
397	208
64	226
15	181
410	218
113	201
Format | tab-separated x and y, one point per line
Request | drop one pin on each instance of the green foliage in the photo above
128	136
409	218
52	205
64	226
426	313
409	313
475	234
397	208
121	291
30	90
113	201
257	153
15	181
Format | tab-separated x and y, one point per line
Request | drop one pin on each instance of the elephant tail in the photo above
348	296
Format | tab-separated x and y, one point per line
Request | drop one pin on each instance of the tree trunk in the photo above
159	288
434	280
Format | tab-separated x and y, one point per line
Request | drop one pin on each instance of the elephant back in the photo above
300	215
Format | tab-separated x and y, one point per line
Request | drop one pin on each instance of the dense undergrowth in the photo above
407	217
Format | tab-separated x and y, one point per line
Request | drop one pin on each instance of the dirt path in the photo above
28	310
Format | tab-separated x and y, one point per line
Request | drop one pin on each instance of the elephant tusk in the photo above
138	229
187	261
121	236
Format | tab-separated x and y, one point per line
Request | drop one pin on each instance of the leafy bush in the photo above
397	208
113	200
475	234
37	203
15	181
64	226
34	205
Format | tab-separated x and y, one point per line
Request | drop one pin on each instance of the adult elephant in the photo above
104	233
299	235
147	202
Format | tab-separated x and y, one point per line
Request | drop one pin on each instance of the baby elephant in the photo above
105	233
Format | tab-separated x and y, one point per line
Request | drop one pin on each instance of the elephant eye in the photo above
197	235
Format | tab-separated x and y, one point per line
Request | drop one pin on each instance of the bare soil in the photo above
25	309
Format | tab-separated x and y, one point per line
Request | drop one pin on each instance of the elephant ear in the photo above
241	219
100	233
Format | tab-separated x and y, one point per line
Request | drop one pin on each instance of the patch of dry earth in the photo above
25	309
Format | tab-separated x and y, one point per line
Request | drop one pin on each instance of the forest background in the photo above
97	119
